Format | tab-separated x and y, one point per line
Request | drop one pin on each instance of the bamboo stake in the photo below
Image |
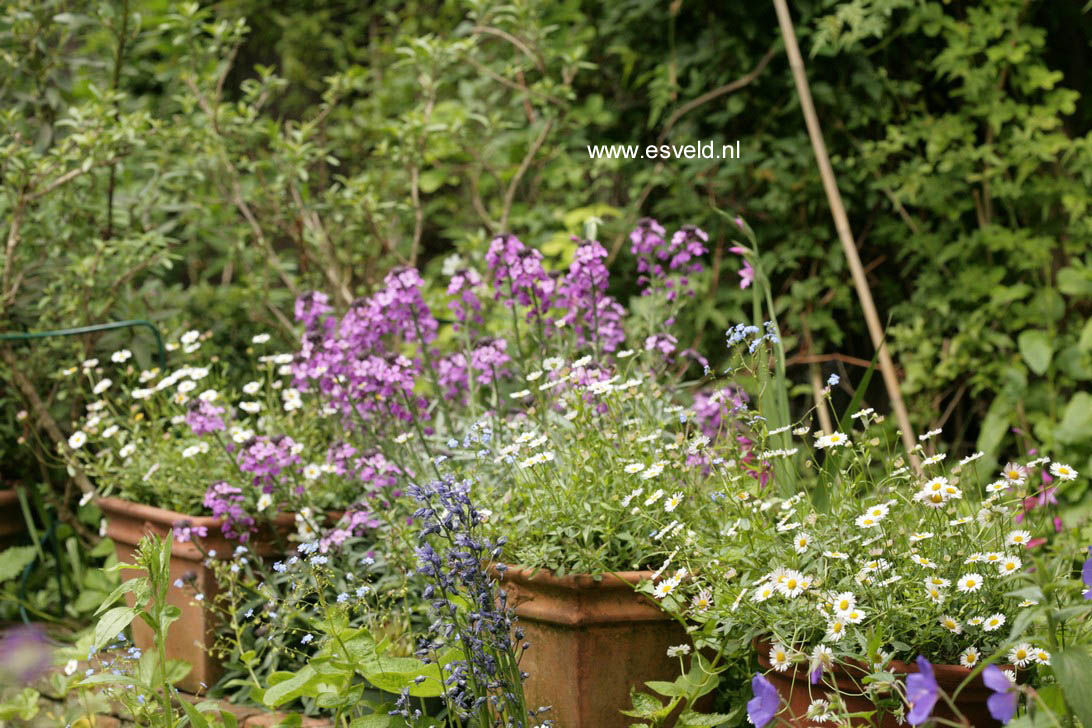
841	223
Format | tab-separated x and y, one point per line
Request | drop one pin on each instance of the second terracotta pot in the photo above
796	690
192	636
591	643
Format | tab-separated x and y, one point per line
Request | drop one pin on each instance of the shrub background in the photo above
169	161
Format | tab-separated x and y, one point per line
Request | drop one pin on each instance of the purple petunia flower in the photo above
921	692
1002	704
763	706
1086	574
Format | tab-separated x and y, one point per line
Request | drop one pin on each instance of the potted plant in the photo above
872	573
536	389
229	468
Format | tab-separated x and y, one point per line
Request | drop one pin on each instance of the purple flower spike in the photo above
921	692
1086	574
1002	704
763	706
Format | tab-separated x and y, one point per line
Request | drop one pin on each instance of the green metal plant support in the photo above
91	329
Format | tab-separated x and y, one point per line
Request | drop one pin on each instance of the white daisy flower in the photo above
634	468
792	584
1009	565
102	386
312	471
779	657
77	439
673	502
110	431
844	602
1062	472
1041	656
997	486
920	536
969	583
1021	654
834	439
934	594
937	581
993	622
975	621
970	657
250	407
121	356
1018	538
127	450
252	388
840	555
264	501
800	542
1014	474
654	496
951	624
665	587
259	339
854	616
763	593
836	630
189	337
678	650
702	601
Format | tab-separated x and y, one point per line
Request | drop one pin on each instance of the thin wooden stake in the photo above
841	222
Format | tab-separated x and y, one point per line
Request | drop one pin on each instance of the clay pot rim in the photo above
8	495
946	675
122	506
611	580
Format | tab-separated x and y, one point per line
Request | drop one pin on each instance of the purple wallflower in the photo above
656	258
266	458
226	502
184	531
664	343
310	307
1002	704
452	373
489	358
518	275
466	305
763	706
592	314
1086	574
921	692
204	417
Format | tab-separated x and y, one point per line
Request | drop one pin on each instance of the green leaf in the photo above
196	719
21	706
295	686
1072	666
644	705
373	721
1036	349
1085	342
667	689
1076	424
111	623
1075	282
14	560
138	586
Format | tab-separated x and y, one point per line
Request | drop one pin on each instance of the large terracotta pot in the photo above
591	642
12	525
796	690
192	636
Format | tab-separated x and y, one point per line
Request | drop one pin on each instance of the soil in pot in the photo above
796	690
591	643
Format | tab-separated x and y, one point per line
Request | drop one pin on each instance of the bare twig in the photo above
717	93
510	194
311	220
489	30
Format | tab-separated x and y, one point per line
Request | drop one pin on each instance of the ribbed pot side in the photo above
796	689
192	636
591	643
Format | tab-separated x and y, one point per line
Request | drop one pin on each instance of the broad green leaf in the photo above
21	706
374	721
112	623
1036	349
297	685
1072	666
1076	424
14	560
644	705
667	689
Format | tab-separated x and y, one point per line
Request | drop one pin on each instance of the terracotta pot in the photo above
12	525
796	689
192	636
591	642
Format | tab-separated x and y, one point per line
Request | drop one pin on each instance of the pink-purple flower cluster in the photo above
204	417
656	257
226	502
591	313
518	275
266	458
